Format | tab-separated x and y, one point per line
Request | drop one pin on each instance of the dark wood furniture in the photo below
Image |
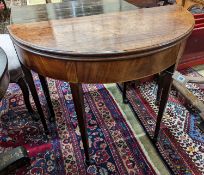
16	157
109	47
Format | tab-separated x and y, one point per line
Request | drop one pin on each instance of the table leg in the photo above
31	84
77	93
166	87
47	95
22	84
160	79
125	100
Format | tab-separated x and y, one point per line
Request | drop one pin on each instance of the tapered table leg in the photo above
125	100
47	95
34	93
160	80
166	87
22	83
77	93
24	88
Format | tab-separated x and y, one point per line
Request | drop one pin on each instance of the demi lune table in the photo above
100	46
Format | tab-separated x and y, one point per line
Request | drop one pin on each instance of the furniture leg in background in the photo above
47	95
125	100
22	84
164	81
34	93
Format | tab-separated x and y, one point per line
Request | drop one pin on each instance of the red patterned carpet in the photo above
181	142
114	148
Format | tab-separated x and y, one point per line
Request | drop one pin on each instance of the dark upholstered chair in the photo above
15	71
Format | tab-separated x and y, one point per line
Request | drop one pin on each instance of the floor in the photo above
151	153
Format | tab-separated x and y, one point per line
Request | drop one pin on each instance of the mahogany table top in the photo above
54	28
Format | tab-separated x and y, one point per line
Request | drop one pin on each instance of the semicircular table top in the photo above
121	32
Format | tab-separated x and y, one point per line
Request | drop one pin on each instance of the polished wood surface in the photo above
114	33
91	48
100	71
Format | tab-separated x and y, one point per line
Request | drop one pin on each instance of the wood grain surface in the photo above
110	47
99	71
135	31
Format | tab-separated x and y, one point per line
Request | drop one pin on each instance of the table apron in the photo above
99	71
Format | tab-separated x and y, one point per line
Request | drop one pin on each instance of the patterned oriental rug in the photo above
114	147
180	142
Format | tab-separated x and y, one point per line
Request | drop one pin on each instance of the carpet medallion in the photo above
113	145
180	142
